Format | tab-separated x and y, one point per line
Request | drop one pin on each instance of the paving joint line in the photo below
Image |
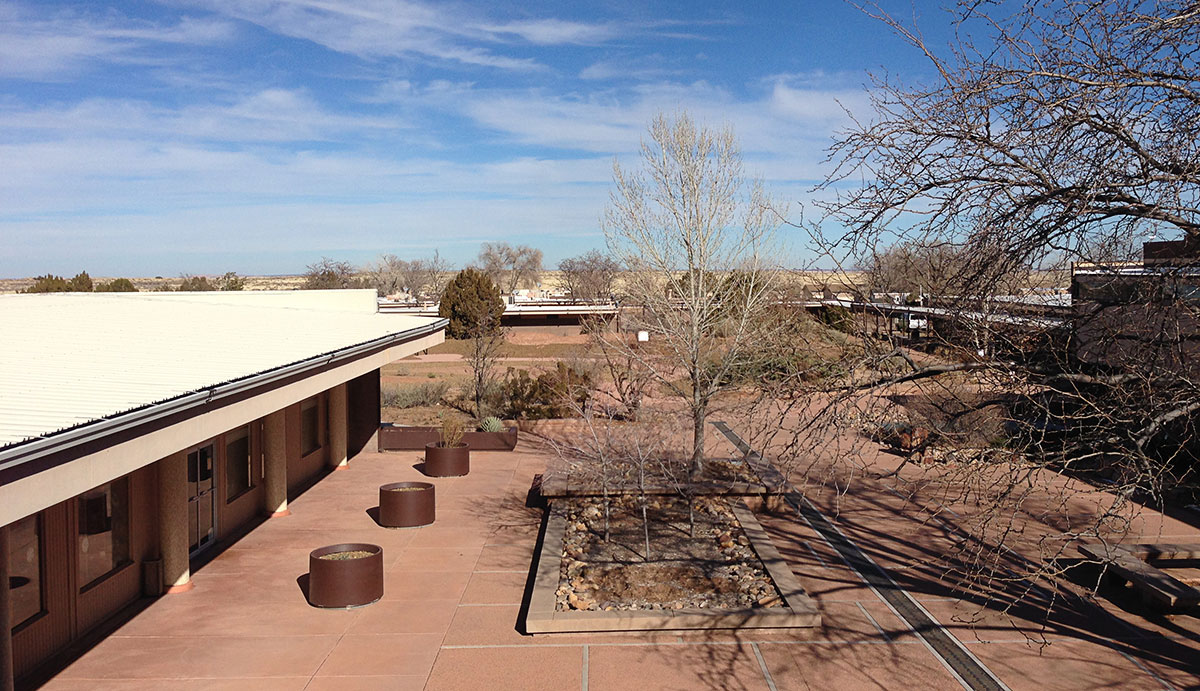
1162	682
823	563
952	653
674	644
762	664
583	684
873	622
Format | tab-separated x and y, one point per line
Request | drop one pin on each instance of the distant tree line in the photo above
83	283
589	276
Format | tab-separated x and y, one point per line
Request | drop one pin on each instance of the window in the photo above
103	530
238	478
25	569
310	426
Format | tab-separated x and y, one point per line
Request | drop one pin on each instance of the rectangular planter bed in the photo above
799	610
401	438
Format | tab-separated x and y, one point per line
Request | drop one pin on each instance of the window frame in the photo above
227	439
127	559
40	533
312	403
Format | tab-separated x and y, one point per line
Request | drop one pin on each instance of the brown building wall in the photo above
362	407
233	512
303	469
71	608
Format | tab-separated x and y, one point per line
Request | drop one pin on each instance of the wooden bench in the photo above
1156	586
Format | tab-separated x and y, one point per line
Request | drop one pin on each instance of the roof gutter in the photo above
25	452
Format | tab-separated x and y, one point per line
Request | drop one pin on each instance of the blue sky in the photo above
159	138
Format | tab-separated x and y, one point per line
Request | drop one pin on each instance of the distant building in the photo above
139	431
1135	315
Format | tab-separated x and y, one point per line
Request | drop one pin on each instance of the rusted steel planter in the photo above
393	438
447	461
406	504
345	583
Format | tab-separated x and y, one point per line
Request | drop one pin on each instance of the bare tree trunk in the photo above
645	527
691	500
699	416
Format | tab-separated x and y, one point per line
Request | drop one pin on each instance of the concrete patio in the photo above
454	591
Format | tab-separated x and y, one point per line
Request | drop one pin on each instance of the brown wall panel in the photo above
362	403
108	596
233	515
52	630
124	586
303	469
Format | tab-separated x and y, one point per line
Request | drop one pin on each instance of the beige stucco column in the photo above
173	522
6	651
275	465
338	427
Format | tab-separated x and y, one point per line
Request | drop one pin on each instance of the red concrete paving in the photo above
448	618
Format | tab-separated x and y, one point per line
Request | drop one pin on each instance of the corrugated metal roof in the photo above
70	359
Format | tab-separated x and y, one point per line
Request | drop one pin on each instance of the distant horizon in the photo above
206	136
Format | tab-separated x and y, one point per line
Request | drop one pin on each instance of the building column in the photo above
338	427
6	649
275	465
173	523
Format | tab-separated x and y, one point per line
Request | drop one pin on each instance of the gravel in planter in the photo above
343	556
716	569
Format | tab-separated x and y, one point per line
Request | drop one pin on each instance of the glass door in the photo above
201	498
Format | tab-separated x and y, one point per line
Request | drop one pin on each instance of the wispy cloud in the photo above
374	29
640	67
270	115
36	48
549	32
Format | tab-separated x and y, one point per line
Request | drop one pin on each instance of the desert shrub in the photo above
231	281
423	394
452	431
196	284
561	392
81	283
838	317
471	302
117	285
48	284
491	424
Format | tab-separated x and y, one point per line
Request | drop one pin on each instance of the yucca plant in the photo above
491	424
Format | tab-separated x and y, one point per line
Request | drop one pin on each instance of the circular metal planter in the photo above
447	461
352	582
406	504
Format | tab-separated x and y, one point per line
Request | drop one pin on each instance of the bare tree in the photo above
590	276
694	235
420	278
486	339
621	458
387	275
913	269
432	276
510	267
1073	128
1064	132
627	375
328	274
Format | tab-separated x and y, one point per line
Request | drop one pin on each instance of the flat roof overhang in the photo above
40	472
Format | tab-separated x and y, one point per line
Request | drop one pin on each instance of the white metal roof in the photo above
71	358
